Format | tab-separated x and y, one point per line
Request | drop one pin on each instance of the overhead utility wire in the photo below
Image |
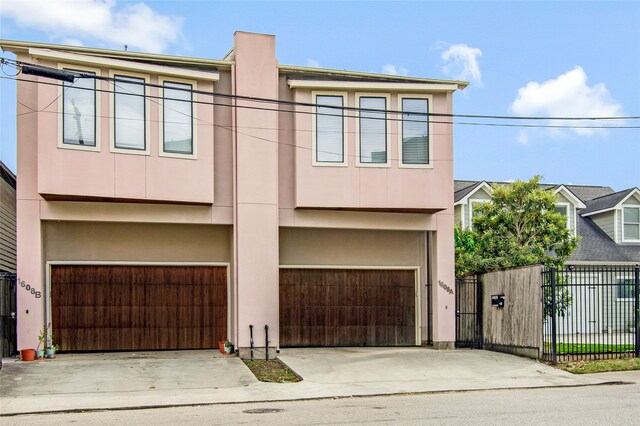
78	74
465	123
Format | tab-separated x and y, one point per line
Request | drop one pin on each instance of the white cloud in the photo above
70	41
393	70
313	63
567	95
461	62
136	25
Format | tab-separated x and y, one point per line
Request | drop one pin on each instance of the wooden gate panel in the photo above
339	307
122	307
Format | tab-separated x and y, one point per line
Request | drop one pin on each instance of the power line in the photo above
465	123
343	108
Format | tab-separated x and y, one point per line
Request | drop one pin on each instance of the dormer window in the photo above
563	209
631	227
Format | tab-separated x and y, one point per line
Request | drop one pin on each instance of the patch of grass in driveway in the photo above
273	371
601	366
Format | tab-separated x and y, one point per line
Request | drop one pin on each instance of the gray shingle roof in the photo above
596	246
461	193
605	202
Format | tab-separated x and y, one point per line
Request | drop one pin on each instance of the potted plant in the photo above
51	346
42	342
221	346
228	347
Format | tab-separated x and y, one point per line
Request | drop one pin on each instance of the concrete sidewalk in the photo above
157	379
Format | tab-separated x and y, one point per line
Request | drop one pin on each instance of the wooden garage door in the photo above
97	308
331	307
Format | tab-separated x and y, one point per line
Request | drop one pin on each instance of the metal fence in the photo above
591	312
7	314
469	312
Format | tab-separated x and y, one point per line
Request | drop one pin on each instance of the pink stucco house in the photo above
169	202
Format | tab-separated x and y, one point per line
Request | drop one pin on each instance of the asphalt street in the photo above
583	405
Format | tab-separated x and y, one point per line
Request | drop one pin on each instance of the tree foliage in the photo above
518	227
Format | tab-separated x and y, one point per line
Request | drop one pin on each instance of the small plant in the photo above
42	338
50	338
227	346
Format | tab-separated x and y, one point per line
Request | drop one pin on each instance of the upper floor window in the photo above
177	120
631	224
130	127
329	129
563	209
79	112
415	131
372	126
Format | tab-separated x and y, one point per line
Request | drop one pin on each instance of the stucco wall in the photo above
309	246
100	241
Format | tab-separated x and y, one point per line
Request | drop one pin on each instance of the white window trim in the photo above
388	126
429	164
61	143
194	117
628	240
112	114
471	201
622	299
568	206
345	150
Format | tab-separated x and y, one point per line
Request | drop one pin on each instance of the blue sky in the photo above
549	59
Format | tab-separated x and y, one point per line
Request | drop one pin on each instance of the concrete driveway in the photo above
159	379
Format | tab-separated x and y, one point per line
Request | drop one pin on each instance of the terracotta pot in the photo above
27	354
221	346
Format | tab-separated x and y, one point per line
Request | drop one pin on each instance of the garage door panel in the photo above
326	307
116	307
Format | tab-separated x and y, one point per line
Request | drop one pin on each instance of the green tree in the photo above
518	227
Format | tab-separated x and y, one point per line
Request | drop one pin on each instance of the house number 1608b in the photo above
37	294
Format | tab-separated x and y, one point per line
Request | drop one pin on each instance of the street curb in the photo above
264	401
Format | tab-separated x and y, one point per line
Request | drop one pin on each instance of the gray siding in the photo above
457	215
7	227
605	221
632	201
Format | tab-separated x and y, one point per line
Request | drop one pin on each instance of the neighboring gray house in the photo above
7	220
608	224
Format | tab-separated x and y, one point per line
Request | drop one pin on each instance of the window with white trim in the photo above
563	209
177	116
372	128
130	126
415	131
631	224
329	134
79	111
625	288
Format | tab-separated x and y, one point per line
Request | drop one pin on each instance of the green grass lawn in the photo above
588	348
601	366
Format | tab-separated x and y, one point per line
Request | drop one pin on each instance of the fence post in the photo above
554	359
479	313
637	307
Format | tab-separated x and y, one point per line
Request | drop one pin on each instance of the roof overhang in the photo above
577	202
24	46
373	86
482	185
94	61
635	192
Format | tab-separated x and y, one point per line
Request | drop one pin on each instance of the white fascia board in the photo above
568	194
483	185
124	65
370	85
636	191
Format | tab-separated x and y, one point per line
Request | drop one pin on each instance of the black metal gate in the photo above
469	312
8	335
